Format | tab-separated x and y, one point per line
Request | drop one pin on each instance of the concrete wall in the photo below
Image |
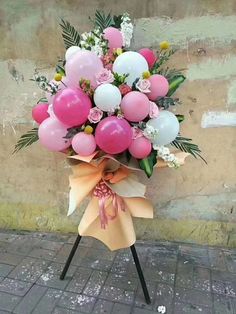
195	203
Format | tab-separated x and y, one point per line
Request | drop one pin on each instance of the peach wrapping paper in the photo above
119	233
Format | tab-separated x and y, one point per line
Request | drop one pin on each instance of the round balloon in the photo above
167	125
71	51
40	112
114	37
84	144
113	135
71	106
149	55
140	147
83	64
135	106
159	87
107	97
51	135
131	63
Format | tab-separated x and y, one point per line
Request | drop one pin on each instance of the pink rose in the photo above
95	115
143	85
104	76
124	89
154	110
109	66
136	133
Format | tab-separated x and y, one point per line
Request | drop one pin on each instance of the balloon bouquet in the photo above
107	100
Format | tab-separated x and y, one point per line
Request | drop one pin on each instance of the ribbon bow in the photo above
115	197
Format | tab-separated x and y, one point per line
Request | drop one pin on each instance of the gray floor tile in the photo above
30	300
8	301
77	302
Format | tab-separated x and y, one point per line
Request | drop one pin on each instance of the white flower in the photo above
150	132
164	153
93	41
126	29
98	50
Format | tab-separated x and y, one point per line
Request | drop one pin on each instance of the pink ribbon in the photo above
103	192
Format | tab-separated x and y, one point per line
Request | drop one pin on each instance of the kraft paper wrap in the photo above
87	173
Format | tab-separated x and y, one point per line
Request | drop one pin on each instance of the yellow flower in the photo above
119	51
57	77
88	129
146	74
164	45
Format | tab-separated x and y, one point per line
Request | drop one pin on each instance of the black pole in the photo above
140	274
72	253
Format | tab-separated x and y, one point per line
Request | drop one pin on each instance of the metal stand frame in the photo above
136	261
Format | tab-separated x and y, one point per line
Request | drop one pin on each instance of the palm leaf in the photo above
70	35
27	139
185	144
102	20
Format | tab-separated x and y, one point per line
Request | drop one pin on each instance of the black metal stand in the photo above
136	261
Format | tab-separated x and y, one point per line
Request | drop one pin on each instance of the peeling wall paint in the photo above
232	93
213	68
214	119
212	29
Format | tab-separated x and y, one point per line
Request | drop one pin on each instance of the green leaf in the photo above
117	21
180	117
60	70
147	164
27	139
102	20
70	35
175	83
185	144
170	74
162	58
42	99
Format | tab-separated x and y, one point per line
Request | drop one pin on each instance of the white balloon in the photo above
107	97
167	125
71	51
132	63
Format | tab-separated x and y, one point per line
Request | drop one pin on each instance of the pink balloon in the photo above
159	86
40	112
83	64
140	147
51	135
113	135
135	106
84	144
149	55
72	106
114	37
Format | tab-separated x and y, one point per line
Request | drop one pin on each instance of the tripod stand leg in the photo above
72	253
140	274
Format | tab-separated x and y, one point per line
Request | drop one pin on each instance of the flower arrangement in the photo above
107	101
107	98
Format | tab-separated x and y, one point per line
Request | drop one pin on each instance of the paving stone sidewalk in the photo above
181	278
